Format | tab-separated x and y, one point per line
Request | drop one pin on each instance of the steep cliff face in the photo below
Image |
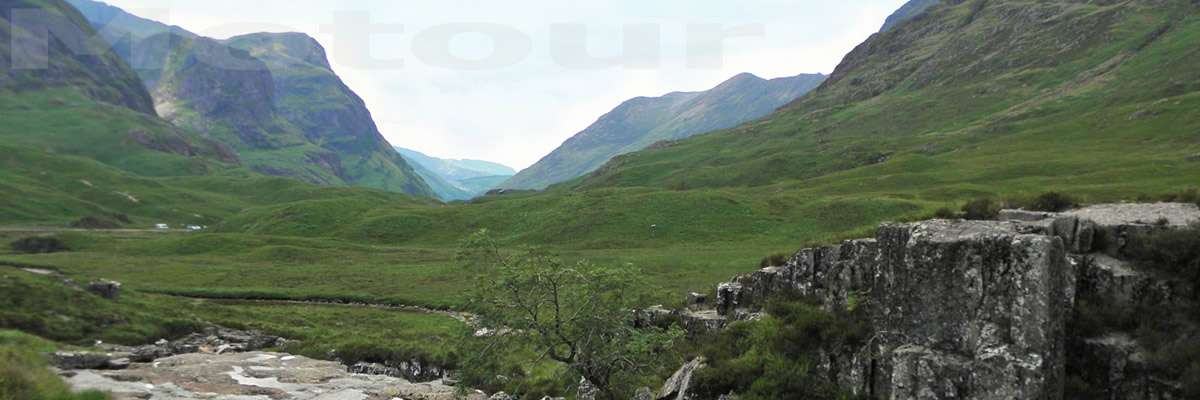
313	99
642	122
980	309
272	98
48	44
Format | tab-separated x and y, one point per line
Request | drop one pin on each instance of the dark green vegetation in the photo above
779	356
24	374
457	179
574	314
642	122
38	245
1165	329
46	307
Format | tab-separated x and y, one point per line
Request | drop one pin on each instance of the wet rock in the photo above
107	289
677	387
502	396
253	375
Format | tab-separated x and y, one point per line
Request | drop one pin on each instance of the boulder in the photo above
80	360
654	316
677	387
643	393
502	396
696	300
104	288
701	322
586	390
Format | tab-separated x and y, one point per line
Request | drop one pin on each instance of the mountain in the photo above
52	47
312	98
644	121
908	11
457	179
272	98
973	96
104	15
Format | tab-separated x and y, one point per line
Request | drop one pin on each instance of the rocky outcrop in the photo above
253	375
677	387
973	309
414	370
110	290
213	340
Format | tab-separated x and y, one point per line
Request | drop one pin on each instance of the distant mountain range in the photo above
644	121
457	179
271	98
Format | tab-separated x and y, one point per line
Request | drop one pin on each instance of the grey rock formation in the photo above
107	289
961	309
677	387
586	390
413	370
643	393
80	360
502	396
253	375
978	309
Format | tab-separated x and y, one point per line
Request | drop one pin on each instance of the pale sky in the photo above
508	81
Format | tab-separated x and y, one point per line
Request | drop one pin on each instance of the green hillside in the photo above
644	121
926	116
457	179
974	97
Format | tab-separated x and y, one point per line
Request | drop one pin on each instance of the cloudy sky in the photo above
509	81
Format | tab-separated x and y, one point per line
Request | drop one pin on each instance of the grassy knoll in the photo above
44	306
23	372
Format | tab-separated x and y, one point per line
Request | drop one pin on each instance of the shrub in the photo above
1187	196
24	376
945	213
777	357
1052	202
39	245
981	209
774	260
1175	253
93	222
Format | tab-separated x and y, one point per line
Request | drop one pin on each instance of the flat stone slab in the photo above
251	376
1175	214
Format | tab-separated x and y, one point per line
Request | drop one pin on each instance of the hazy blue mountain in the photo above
454	179
643	121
